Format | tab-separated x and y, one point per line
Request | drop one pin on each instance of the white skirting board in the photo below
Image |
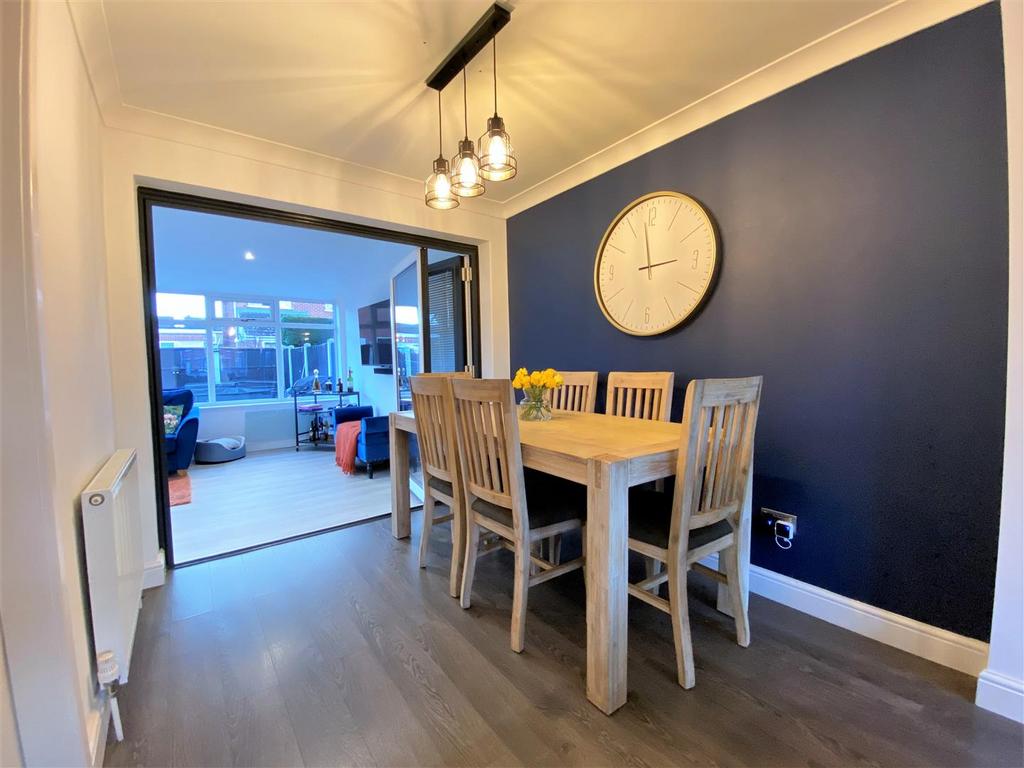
939	645
1001	694
153	575
97	730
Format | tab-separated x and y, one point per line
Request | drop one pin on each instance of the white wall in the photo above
1001	685
10	747
263	426
56	391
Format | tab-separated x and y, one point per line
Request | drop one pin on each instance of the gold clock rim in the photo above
604	240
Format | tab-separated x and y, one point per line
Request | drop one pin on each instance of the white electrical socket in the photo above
774	515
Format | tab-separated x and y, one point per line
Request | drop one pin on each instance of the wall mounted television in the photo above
375	336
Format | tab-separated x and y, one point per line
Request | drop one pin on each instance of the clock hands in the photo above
657	264
647	252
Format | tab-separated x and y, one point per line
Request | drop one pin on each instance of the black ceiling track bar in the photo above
479	36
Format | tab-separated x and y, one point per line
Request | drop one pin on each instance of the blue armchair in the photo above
373	446
181	444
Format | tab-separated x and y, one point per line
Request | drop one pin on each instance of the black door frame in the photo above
150	197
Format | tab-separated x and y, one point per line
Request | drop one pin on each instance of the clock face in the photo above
656	263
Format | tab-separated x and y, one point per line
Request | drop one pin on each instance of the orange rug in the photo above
180	487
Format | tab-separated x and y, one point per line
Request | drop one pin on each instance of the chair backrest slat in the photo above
715	458
578	392
434	412
640	394
487	434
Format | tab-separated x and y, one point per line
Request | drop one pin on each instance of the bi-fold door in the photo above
431	325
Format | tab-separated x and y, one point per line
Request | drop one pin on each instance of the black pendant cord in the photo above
440	140
465	105
494	62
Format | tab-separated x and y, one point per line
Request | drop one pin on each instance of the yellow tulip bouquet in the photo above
534	405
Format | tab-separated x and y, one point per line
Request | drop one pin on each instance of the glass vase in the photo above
534	409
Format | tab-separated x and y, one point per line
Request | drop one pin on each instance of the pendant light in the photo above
439	186
497	159
466	180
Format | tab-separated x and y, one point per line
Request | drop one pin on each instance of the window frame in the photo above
211	323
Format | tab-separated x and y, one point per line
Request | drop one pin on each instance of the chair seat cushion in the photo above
441	485
549	500
650	520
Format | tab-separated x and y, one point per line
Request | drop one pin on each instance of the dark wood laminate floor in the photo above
337	650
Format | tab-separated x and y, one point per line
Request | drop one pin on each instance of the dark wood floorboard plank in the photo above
393	734
461	734
260	731
198	718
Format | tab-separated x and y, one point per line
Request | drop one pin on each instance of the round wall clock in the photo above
656	263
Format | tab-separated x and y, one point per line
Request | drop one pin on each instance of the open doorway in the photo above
278	345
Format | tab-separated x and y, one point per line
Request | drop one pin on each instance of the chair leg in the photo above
428	522
652	567
469	567
458	550
583	553
519	591
739	609
680	611
555	548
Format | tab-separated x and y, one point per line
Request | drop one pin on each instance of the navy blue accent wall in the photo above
864	274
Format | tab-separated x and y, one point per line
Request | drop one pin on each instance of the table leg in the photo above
724	602
607	573
399	447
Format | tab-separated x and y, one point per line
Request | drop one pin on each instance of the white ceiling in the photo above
197	252
345	79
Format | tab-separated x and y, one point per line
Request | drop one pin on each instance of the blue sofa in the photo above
181	444
373	446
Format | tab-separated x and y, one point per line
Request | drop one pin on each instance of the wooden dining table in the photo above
609	455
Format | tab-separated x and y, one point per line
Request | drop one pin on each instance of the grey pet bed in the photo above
220	449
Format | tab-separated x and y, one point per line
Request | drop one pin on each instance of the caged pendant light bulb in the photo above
466	179
497	159
439	186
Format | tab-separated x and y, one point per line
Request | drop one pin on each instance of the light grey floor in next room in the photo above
272	495
337	650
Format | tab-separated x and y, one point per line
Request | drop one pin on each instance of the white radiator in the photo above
113	553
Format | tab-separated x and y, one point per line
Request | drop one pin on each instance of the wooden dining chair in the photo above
706	514
640	394
497	498
448	374
578	392
432	407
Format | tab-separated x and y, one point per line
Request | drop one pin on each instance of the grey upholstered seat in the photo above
650	519
549	500
441	485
